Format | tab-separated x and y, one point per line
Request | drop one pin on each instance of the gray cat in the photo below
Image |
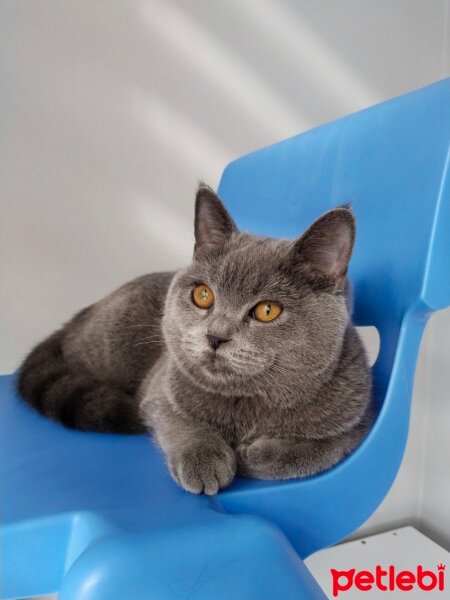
245	361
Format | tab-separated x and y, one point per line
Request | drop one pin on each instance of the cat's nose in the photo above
215	341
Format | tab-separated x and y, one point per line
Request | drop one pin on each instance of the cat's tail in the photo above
72	397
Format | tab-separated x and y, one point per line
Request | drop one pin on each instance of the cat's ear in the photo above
324	250
213	225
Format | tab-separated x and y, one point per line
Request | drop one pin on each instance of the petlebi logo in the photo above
389	579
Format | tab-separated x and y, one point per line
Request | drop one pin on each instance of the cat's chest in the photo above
235	418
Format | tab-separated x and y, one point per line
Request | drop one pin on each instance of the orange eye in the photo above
266	311
203	296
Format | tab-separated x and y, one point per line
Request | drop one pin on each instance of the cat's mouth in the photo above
219	364
215	363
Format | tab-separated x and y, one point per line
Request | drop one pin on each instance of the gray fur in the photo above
283	399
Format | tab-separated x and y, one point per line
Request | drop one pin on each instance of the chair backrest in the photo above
391	162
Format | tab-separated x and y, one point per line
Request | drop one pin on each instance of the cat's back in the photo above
119	337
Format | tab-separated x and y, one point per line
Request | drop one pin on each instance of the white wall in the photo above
111	111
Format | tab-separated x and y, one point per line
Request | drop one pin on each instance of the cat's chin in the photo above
217	365
211	369
217	372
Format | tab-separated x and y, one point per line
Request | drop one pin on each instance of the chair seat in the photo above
98	516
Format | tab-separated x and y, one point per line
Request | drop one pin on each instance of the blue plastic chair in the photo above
97	517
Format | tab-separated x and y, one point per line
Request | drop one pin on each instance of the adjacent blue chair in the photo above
97	517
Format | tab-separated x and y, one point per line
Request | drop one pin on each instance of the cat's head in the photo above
255	316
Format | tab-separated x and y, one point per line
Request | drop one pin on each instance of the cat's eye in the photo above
203	296
266	311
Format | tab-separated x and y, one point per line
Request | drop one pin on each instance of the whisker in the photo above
139	344
148	340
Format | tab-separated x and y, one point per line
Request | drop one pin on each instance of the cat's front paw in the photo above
261	459
203	467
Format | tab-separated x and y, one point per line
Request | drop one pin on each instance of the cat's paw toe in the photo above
203	468
259	458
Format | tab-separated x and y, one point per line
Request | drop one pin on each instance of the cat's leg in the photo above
287	458
199	458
